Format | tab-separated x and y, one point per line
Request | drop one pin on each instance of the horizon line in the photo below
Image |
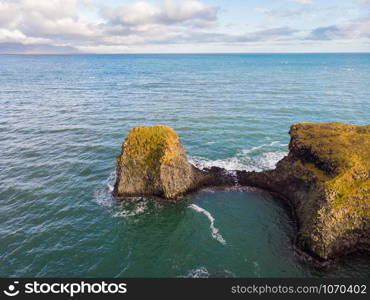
182	53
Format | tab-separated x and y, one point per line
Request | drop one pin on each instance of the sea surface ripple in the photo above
62	122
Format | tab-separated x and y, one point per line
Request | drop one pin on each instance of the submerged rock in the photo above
326	178
153	162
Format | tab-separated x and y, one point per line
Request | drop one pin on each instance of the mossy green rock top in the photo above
326	176
153	162
338	156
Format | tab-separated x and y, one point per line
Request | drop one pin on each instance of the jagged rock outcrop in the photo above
326	178
153	162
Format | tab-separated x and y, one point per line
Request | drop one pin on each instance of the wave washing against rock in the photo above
214	231
249	160
135	205
246	160
103	195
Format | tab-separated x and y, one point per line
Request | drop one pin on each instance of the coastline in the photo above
329	223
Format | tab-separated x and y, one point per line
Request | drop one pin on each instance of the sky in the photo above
187	26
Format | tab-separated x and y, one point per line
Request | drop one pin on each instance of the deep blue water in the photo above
63	119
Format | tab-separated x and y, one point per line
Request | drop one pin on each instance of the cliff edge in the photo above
326	178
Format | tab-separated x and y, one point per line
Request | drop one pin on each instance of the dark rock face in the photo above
326	178
153	162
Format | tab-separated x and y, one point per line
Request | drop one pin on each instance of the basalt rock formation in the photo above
326	178
153	162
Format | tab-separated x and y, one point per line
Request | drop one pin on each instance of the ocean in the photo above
63	119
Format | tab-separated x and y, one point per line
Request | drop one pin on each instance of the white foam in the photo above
201	272
131	207
257	158
110	187
214	231
229	164
138	208
268	160
103	195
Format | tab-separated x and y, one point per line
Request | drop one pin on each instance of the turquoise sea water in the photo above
62	122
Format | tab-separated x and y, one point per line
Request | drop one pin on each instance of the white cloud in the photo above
300	1
336	32
169	12
147	25
60	21
8	13
362	2
43	19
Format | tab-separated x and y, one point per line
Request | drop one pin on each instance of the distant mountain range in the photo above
19	48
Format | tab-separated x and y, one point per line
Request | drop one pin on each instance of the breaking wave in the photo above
255	159
103	195
133	206
258	158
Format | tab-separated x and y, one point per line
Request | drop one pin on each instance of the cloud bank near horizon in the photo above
92	26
